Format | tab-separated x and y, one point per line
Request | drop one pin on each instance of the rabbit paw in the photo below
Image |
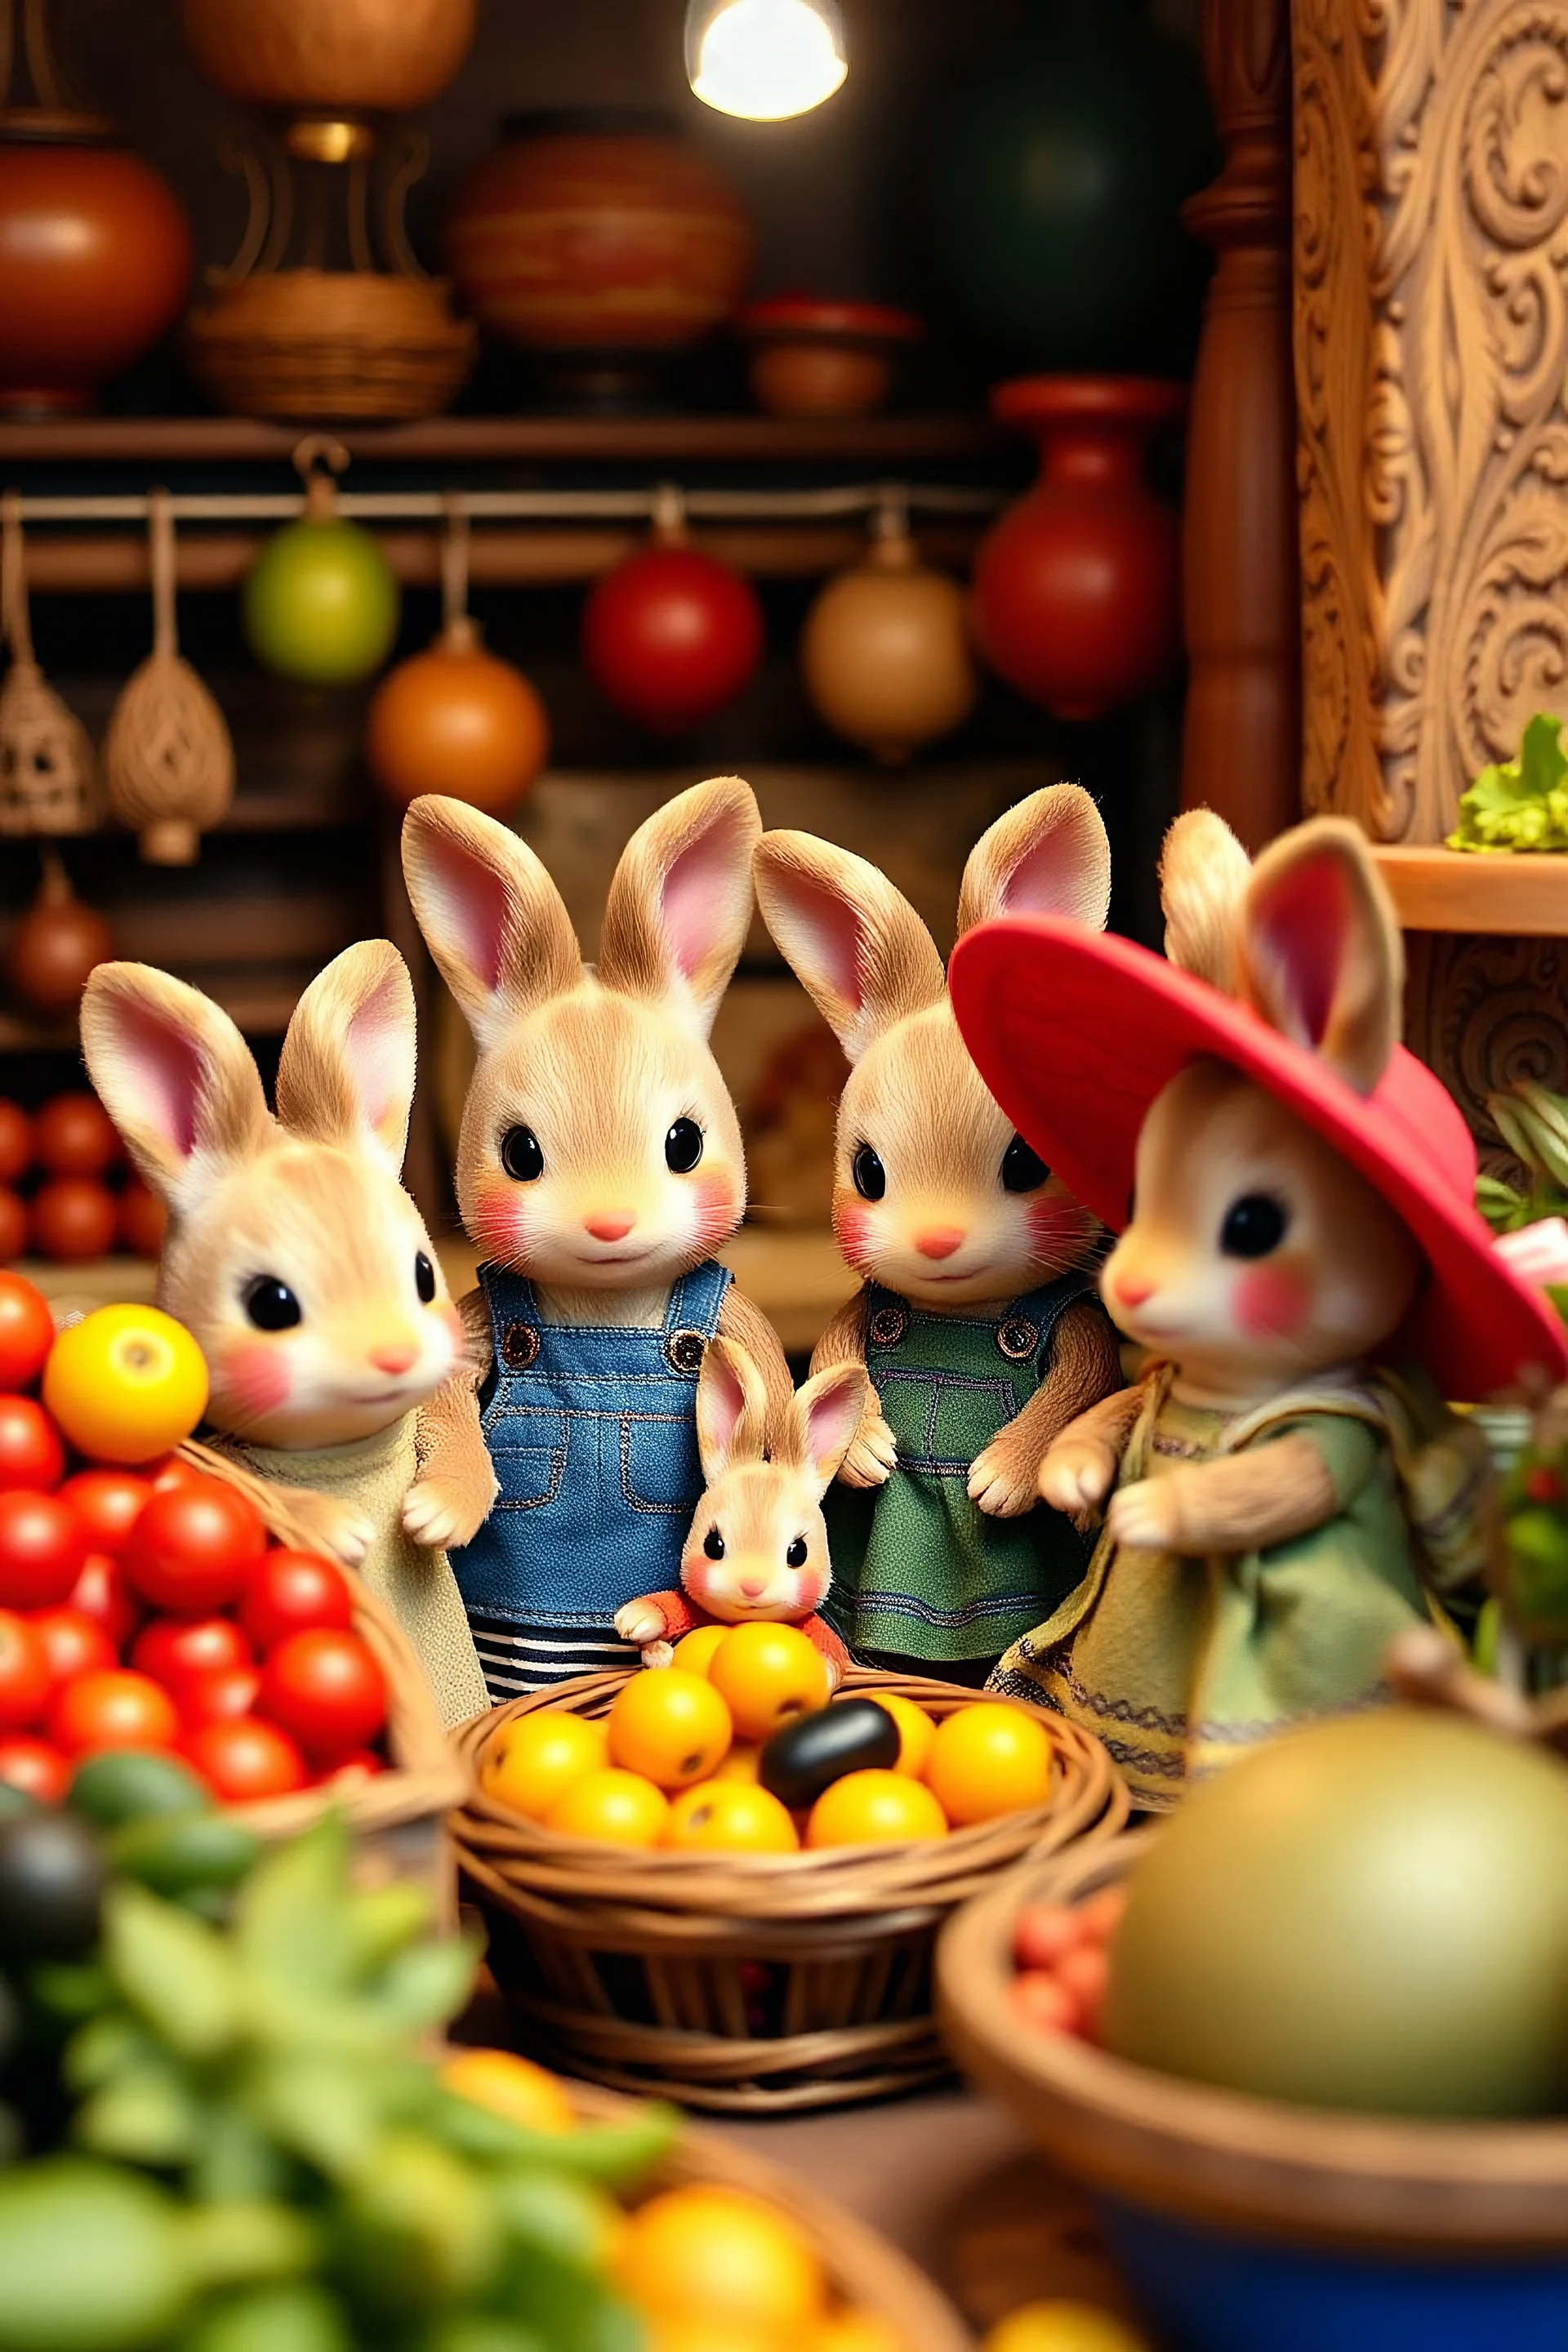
333	1527
1146	1516
1004	1487
1076	1477
439	1513
658	1654
641	1623
873	1456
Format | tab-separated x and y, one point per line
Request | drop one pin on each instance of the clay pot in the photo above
884	652
386	57
95	255
824	359
55	944
1076	589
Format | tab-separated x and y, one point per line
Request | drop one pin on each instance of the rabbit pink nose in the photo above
393	1360
940	1241
1132	1289
610	1224
753	1587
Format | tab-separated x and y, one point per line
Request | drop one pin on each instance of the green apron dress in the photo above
920	1574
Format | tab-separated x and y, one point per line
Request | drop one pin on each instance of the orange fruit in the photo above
510	2086
875	1809
769	1675
531	1762
721	2255
1064	2327
915	1732
855	2331
694	1651
744	1763
701	2332
727	1817
672	1727
126	1384
617	1808
989	1759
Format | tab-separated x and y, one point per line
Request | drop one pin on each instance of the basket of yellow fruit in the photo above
721	1880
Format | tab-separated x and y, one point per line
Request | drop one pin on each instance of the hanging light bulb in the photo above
765	59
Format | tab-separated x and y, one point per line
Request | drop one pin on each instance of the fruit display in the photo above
65	1189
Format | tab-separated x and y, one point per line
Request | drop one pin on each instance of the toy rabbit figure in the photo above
599	1166
1298	1197
978	1319
756	1551
301	1267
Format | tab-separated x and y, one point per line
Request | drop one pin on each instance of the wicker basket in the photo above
746	1984
328	343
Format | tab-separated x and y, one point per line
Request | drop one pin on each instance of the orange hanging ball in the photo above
458	720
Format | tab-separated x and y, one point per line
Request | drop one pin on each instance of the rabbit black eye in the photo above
870	1176
424	1278
795	1556
1254	1226
1023	1169
271	1305
520	1155
683	1147
713	1544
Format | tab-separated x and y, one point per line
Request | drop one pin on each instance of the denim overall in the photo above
592	1433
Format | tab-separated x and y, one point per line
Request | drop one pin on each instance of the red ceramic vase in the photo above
671	635
1077	587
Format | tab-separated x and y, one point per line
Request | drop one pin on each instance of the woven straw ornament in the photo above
168	760
48	783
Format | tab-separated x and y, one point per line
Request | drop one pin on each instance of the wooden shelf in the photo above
1457	891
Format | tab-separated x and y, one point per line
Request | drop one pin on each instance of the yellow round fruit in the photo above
534	1761
915	1732
1064	2327
875	1809
988	1760
721	2255
769	1676
694	1651
126	1383
728	1817
672	1727
855	2331
701	2332
510	2086
616	1808
744	1763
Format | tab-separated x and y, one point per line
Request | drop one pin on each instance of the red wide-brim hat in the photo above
1076	1034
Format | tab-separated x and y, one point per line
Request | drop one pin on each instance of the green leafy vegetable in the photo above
1520	804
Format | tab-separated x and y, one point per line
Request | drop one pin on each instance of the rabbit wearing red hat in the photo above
1294	1193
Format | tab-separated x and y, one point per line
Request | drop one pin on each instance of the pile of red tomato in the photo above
64	1190
145	1607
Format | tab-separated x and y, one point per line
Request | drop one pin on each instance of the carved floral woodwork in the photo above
1484	1011
1431	143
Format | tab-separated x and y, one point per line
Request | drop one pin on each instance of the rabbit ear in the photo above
1319	949
1203	875
491	916
680	903
823	1416
176	1078
346	1074
1048	856
731	1410
854	943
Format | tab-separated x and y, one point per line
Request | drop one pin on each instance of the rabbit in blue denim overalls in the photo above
599	1167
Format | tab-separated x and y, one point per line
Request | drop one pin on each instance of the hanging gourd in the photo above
320	604
48	780
455	719
55	944
885	652
671	635
167	758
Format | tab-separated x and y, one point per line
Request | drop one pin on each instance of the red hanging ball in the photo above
671	636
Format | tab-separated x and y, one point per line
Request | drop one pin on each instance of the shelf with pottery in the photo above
1453	890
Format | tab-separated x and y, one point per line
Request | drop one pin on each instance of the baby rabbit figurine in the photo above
977	1319
301	1267
1297	1194
599	1167
756	1551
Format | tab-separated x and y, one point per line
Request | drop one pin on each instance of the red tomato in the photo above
362	1765
294	1592
242	1761
16	1142
42	1547
24	1673
173	1471
73	1136
327	1690
13	1223
107	1503
35	1768
101	1594
195	1547
173	1649
31	1453
112	1709
143	1221
73	1219
74	1644
26	1332
220	1696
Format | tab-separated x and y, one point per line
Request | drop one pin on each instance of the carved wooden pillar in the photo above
1241	751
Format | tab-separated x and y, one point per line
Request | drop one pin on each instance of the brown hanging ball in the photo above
55	944
884	652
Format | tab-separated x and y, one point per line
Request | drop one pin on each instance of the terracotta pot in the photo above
1076	589
598	232
95	256
884	652
371	56
824	359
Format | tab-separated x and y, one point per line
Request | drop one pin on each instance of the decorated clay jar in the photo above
355	56
812	358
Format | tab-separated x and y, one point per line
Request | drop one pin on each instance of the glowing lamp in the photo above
765	59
